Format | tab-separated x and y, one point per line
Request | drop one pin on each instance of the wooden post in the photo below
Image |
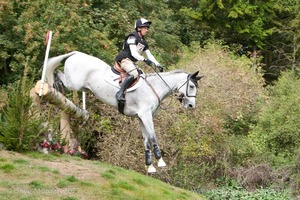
35	102
68	109
56	98
65	128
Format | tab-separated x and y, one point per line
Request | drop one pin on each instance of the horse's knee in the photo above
148	157
157	152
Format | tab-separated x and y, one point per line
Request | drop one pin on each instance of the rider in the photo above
134	45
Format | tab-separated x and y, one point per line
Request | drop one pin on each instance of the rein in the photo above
162	79
186	82
153	91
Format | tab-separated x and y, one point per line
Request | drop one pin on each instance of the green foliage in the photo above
239	193
26	23
190	175
241	151
277	130
95	27
295	175
19	128
248	21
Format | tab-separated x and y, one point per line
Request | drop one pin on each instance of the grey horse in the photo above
84	72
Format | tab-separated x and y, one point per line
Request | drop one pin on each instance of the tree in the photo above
26	24
242	22
19	126
282	47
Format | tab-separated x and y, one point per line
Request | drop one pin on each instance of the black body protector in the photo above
140	43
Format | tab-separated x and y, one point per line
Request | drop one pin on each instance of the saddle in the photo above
117	69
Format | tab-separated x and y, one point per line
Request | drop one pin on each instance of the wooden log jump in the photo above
58	99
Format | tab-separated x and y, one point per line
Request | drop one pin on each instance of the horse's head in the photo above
188	90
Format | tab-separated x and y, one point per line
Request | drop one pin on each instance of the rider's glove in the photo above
161	69
148	62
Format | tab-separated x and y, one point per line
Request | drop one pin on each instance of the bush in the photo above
295	177
277	133
19	128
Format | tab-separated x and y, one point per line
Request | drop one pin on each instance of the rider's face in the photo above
144	30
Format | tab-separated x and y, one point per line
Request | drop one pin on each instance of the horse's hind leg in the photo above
61	77
58	84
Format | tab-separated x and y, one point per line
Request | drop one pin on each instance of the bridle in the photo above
187	82
181	97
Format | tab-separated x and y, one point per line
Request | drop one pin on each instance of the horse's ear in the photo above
194	76
199	77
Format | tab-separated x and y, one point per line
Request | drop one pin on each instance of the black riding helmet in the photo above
142	22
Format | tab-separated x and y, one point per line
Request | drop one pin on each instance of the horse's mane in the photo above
170	72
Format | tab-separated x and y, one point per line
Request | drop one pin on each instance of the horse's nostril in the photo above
190	106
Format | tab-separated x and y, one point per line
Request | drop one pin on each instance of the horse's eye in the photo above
192	86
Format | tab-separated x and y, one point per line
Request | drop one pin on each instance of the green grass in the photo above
21	161
35	176
7	168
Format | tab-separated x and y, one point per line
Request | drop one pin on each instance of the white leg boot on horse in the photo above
150	137
157	154
149	165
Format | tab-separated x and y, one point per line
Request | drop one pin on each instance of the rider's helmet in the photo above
142	22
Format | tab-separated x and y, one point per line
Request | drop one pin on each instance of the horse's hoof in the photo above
161	163
151	169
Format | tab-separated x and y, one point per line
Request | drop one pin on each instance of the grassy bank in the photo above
38	176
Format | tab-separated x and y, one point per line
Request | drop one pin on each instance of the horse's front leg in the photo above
157	154
148	157
149	134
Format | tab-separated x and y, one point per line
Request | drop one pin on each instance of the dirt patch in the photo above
76	168
70	168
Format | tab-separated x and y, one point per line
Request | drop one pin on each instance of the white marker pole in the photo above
48	43
83	101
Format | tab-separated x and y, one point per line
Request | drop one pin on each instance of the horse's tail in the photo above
53	63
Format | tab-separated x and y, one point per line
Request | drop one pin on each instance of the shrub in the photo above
19	128
277	132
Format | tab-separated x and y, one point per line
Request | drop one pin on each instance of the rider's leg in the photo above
120	94
130	68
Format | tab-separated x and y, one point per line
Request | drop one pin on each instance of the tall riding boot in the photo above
120	94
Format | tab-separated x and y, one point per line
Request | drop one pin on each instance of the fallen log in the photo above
58	99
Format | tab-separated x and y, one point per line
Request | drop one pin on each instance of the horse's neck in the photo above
168	83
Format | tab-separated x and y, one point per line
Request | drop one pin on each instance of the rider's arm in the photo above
151	57
135	53
133	48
